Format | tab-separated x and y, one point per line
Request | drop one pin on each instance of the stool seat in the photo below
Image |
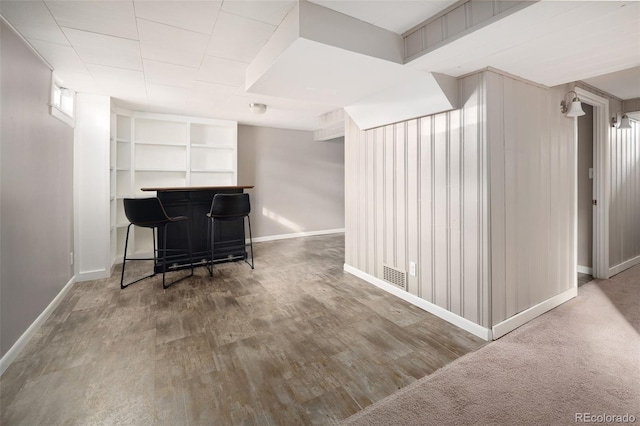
150	213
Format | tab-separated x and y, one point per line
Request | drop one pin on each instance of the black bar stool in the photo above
226	208
149	213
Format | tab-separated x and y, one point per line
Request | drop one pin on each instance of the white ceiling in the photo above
569	41
190	57
624	84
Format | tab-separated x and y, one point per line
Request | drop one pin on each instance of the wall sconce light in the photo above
574	109
257	108
621	122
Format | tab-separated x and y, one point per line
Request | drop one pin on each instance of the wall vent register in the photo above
395	276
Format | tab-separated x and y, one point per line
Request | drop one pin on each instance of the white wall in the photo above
299	182
91	180
36	231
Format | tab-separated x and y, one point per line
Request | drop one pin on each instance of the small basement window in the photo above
62	101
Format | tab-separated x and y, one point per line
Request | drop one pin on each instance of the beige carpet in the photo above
582	357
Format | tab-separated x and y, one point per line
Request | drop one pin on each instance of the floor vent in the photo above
395	276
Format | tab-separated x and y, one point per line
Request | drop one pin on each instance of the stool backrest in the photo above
147	212
230	206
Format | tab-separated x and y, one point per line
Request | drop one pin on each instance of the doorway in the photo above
600	181
586	196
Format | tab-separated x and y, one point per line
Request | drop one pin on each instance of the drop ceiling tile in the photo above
33	20
114	18
222	71
271	12
167	99
105	50
206	105
119	82
213	89
198	16
170	44
59	56
238	38
166	74
79	81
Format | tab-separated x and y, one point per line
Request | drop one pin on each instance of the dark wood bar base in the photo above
195	203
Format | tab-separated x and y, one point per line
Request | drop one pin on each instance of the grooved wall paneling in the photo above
624	213
533	178
481	198
415	194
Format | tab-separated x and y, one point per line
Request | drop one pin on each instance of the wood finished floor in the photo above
296	341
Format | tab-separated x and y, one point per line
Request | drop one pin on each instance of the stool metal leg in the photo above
124	258
190	248
164	254
250	243
210	246
124	261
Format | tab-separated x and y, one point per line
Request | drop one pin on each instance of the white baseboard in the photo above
14	351
98	274
457	320
527	315
297	235
624	265
585	270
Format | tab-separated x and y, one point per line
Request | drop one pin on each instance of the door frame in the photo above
601	174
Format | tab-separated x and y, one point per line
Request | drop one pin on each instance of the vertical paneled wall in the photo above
482	198
533	194
624	211
416	191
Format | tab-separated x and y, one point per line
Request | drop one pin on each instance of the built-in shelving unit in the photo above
113	156
158	150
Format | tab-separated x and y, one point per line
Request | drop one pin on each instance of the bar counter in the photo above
195	202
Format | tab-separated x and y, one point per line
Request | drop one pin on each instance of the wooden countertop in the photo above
195	188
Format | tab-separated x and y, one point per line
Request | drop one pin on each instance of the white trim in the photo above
57	113
601	181
297	235
14	351
585	270
527	315
96	274
458	321
624	265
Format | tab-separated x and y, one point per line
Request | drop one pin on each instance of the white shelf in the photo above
158	150
205	146
139	142
212	171
161	170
